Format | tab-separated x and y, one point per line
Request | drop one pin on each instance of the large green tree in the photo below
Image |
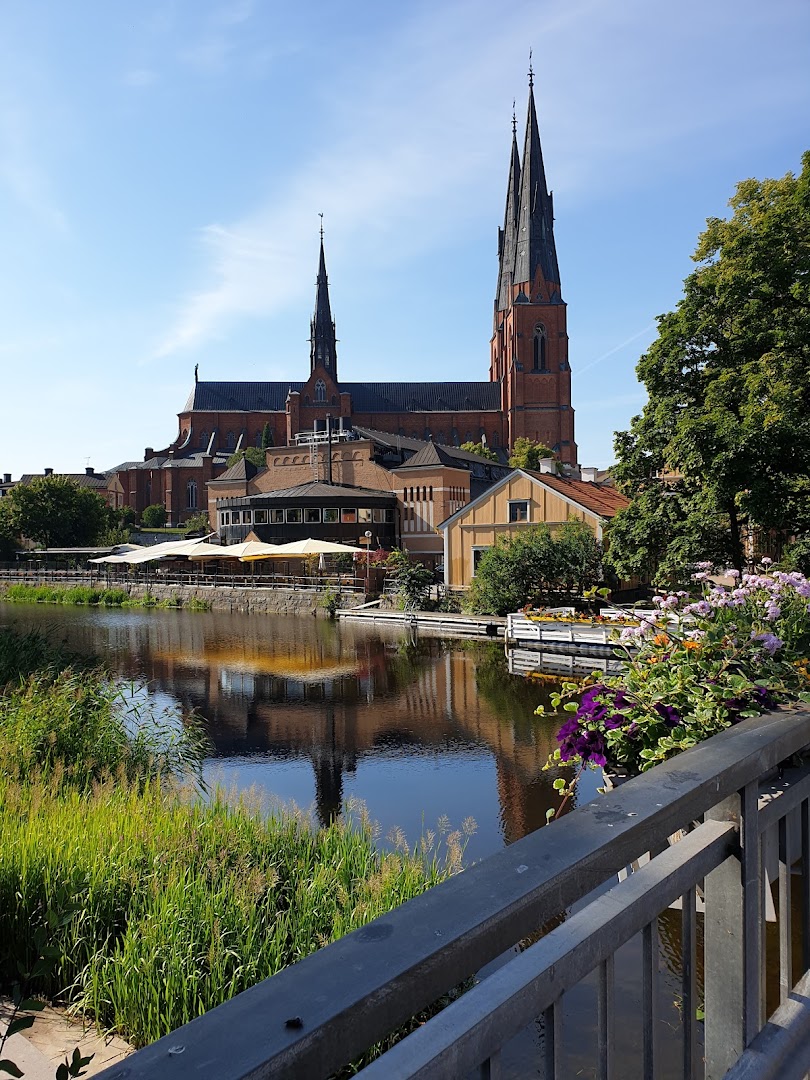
55	511
481	449
723	444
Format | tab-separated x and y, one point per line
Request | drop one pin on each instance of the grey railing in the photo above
709	828
119	576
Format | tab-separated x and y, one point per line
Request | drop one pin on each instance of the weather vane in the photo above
531	70
514	118
320	215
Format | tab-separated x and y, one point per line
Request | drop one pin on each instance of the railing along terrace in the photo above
140	575
739	829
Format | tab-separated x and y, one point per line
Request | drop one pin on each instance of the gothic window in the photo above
191	495
320	390
204	437
495	438
540	348
230	441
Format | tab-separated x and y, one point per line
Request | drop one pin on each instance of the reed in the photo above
167	905
95	596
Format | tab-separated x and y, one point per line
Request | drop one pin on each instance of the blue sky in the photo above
162	166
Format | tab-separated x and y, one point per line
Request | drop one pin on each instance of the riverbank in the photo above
156	905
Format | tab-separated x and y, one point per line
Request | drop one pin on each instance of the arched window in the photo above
204	437
320	390
191	495
230	441
540	348
495	438
258	439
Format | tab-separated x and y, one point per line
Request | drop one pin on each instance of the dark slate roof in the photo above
425	397
431	455
404	442
242	470
366	397
193	460
96	480
240	396
317	489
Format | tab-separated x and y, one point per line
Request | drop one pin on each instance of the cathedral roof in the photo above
366	397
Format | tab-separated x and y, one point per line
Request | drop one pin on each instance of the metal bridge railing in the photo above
738	828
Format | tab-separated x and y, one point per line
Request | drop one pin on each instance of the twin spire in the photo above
526	241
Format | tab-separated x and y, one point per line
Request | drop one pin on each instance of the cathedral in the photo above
527	394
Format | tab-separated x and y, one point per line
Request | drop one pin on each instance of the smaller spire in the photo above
531	71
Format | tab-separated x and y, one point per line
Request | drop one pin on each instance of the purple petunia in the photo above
668	713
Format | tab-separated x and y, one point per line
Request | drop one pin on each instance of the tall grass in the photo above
157	905
171	906
95	596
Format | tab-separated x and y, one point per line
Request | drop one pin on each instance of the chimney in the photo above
547	465
6	477
49	472
89	471
148	452
589	475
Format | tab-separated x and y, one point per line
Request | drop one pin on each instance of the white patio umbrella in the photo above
299	548
157	551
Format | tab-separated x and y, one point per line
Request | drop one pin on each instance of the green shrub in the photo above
154	516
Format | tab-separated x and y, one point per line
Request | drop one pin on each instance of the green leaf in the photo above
63	1073
559	784
570	706
8	1066
550	814
31	1005
19	1023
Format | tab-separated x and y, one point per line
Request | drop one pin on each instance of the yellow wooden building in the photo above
521	499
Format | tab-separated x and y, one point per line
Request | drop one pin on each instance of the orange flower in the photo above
691	644
661	639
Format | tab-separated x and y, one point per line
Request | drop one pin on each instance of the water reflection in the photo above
317	711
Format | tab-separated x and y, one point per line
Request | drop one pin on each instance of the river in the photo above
317	713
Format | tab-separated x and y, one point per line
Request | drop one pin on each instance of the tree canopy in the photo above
723	444
255	455
527	454
535	566
481	449
54	511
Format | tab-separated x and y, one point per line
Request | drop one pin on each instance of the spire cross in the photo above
531	71
321	217
514	118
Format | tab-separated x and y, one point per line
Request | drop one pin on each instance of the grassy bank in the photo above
95	596
156	905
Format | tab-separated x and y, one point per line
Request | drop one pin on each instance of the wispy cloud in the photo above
21	172
212	51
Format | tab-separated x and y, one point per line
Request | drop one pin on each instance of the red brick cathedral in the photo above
528	392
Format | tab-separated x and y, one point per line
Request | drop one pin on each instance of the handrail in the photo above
313	1017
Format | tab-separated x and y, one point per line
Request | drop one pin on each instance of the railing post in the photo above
724	956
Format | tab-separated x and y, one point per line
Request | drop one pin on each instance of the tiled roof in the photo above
366	397
602	500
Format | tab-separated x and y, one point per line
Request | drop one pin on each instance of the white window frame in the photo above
520	502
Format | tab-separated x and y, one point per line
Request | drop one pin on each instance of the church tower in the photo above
529	347
323	344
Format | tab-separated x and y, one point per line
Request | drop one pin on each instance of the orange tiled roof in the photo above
599	499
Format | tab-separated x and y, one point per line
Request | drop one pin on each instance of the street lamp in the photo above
368	557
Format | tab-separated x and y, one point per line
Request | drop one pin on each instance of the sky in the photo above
163	166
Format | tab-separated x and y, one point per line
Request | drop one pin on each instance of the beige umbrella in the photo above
300	548
249	548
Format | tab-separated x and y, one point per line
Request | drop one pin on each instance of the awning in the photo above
252	548
300	548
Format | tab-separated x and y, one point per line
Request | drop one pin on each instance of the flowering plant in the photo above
700	666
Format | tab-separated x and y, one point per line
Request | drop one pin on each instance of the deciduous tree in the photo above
481	449
723	444
527	454
55	511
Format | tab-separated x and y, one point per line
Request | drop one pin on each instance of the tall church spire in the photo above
323	344
507	237
535	222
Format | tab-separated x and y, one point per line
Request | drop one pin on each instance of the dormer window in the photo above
320	390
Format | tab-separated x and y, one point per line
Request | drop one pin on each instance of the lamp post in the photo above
368	557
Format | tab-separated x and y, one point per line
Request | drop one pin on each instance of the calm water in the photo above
316	712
